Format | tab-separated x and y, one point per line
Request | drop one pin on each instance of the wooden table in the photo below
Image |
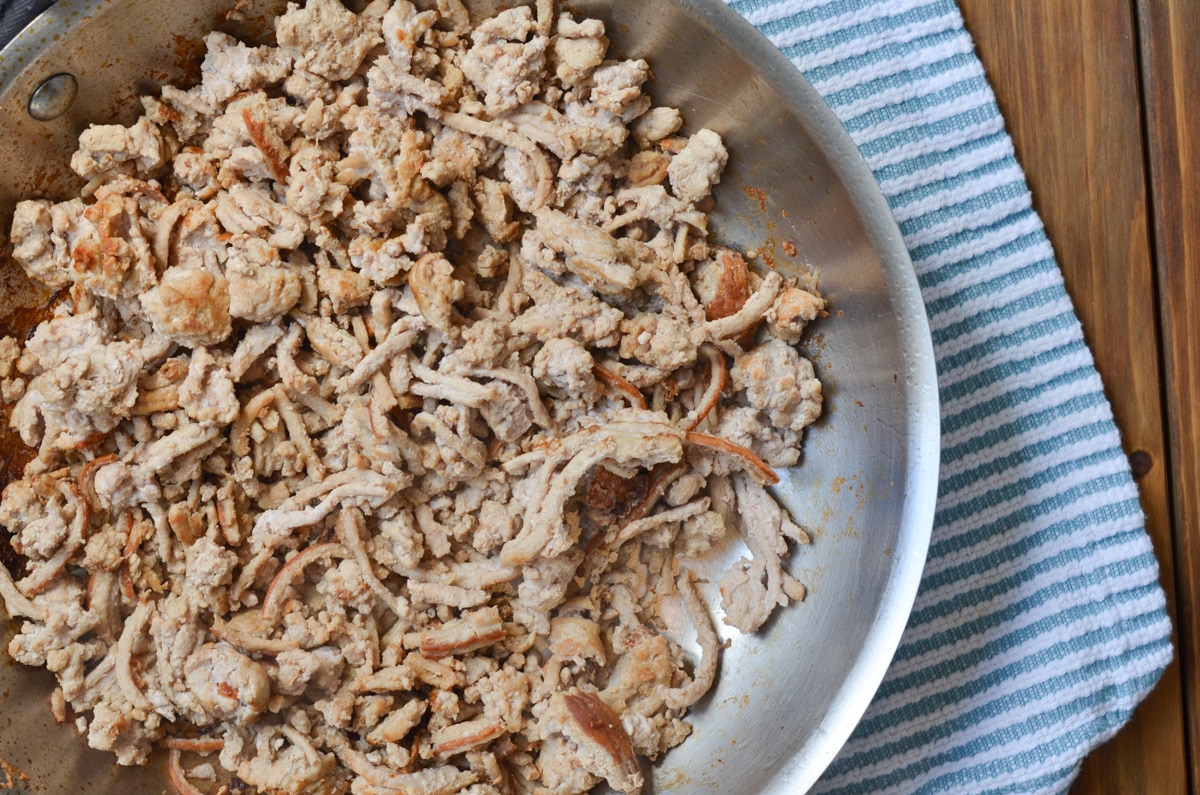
1102	98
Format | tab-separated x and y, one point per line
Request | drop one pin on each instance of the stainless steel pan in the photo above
787	698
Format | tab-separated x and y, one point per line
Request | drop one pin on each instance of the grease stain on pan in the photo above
14	454
758	195
680	780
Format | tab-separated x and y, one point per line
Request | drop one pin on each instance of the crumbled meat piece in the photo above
794	308
210	567
565	365
207	394
105	148
111	730
596	738
579	48
577	638
617	88
527	178
564	311
84	383
189	236
435	290
261	287
313	190
495	210
746	426
485	344
346	289
779	381
454	155
598	134
190	306
325	38
695	170
117	262
231	67
656	124
586	250
254	211
197	172
395	91
403	29
751	588
42	242
659	341
505	61
10	351
383	261
338	347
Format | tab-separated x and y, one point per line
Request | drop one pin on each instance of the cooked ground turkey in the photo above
394	389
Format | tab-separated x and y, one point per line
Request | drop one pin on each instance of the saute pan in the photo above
796	191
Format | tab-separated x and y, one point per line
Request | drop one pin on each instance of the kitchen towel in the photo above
1040	622
15	14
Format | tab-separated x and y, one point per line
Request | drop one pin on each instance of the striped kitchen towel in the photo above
14	15
1040	622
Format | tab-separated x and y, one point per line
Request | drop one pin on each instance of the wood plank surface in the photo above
1170	32
1066	78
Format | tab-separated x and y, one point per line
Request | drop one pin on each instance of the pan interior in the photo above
788	697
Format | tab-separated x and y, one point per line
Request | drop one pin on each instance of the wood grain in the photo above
1066	78
1170	30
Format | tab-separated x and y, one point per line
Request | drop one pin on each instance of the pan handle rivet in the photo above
53	97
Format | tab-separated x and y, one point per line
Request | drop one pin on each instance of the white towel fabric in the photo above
1040	622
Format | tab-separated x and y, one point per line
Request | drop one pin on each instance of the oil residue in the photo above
14	453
